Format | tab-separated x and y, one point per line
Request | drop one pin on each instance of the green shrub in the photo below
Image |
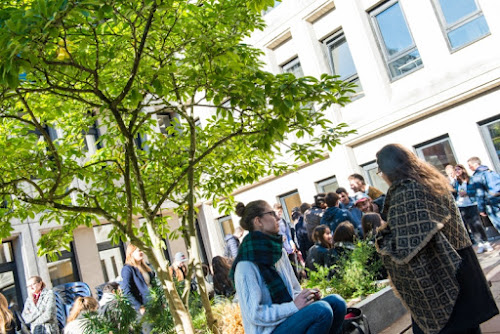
354	274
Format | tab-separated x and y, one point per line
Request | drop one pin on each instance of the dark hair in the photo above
357	176
249	212
304	207
370	222
318	235
221	267
110	287
464	176
319	199
344	232
331	199
399	163
341	190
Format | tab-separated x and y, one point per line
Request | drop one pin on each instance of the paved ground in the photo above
490	262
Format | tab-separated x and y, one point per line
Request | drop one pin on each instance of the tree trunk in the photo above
182	317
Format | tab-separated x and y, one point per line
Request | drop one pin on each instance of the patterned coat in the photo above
419	250
44	313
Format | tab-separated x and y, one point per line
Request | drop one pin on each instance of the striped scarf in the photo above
264	250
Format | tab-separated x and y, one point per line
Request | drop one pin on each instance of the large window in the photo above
112	256
491	134
64	268
463	21
341	61
9	282
293	67
288	202
327	185
400	52
372	178
438	152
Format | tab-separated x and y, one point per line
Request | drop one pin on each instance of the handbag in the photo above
355	322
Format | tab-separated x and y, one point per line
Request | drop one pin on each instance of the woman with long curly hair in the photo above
426	250
222	284
269	294
7	320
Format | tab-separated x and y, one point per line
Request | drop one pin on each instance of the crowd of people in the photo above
423	229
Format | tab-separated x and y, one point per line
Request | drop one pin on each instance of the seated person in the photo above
269	294
322	253
343	238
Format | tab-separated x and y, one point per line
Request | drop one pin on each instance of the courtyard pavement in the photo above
490	262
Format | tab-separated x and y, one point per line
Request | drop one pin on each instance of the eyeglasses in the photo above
272	213
379	171
31	285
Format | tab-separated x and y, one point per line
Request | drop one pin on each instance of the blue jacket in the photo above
134	286
486	183
334	216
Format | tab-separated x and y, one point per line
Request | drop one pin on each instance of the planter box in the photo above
382	309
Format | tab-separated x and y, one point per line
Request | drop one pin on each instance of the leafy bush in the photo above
355	274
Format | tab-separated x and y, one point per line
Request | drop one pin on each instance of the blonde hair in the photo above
129	259
82	304
6	316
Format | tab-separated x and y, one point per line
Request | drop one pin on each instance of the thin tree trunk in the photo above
182	318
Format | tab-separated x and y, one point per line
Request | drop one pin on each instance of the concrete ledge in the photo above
382	309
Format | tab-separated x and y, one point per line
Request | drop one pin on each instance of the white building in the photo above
428	73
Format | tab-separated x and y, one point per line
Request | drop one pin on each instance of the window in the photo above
92	138
463	21
288	202
327	185
491	134
400	52
341	61
372	178
293	67
438	152
226	225
9	282
63	269
112	256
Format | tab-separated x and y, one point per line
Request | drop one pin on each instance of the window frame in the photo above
380	40
447	29
328	46
367	167
281	199
488	141
65	254
12	267
324	182
419	147
289	64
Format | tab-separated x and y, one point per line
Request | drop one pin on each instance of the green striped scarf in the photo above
264	250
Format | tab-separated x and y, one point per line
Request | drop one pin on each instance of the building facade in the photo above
428	76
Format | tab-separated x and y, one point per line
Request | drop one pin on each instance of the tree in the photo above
120	65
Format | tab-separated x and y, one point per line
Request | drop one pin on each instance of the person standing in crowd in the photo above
178	269
343	238
370	223
269	294
138	277
285	230
450	173
366	205
108	300
359	186
76	322
465	194
222	284
334	215
312	217
347	203
426	250
40	307
322	252
487	183
232	243
301	231
8	323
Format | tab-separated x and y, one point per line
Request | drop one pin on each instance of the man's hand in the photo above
483	214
